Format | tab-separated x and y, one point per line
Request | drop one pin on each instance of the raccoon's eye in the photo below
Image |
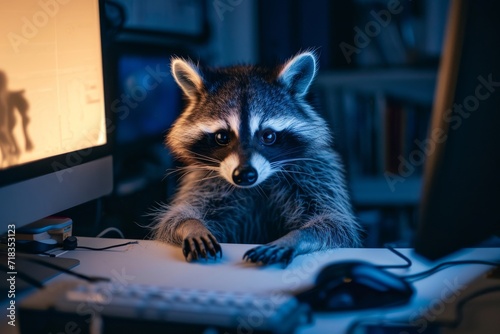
222	138
268	137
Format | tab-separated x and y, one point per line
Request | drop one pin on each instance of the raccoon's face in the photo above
245	123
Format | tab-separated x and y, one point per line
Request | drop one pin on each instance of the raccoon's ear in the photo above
298	73
188	77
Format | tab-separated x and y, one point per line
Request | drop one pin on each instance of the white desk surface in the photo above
156	263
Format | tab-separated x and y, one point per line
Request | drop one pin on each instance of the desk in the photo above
152	262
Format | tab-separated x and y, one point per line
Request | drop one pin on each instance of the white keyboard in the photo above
110	308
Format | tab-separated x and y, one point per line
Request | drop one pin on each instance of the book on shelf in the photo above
382	133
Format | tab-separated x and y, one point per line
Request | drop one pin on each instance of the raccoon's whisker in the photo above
204	157
293	151
298	159
168	173
208	177
185	170
290	172
287	167
208	168
165	177
197	167
288	164
179	170
228	190
296	152
211	175
296	172
184	174
174	171
282	166
297	166
261	191
198	154
283	174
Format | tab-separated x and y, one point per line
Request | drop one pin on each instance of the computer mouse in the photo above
355	285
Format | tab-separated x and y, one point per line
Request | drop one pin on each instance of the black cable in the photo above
394	266
430	271
404	323
109	247
425	273
71	243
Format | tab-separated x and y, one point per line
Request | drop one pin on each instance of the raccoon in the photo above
258	166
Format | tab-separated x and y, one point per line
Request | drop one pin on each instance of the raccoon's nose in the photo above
244	175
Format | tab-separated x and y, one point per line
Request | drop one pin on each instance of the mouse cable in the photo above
426	273
404	324
395	266
67	271
109	247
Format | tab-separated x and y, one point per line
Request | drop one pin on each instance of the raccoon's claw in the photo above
269	254
195	247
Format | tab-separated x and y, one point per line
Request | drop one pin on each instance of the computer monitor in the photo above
461	195
54	132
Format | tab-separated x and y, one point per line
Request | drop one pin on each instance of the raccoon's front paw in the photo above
197	246
269	254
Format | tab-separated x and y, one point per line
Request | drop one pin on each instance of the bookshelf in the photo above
380	120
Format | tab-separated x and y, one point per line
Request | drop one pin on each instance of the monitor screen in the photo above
51	87
54	148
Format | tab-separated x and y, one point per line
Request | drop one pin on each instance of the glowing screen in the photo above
51	86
